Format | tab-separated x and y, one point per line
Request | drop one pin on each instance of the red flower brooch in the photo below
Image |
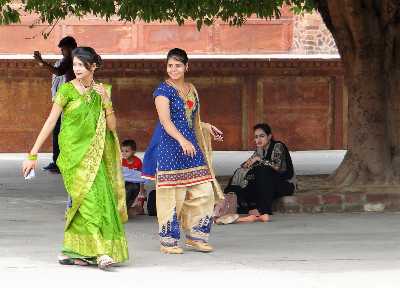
190	104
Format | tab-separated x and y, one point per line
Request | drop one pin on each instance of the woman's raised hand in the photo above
187	147
99	88
27	166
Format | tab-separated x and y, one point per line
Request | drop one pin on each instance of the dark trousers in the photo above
151	203
56	149
267	186
132	191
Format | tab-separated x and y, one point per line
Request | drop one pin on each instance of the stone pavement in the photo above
295	250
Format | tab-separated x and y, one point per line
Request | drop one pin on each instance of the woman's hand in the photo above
27	166
187	147
251	161
217	134
99	88
246	164
48	127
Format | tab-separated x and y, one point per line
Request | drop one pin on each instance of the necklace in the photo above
189	100
87	90
181	91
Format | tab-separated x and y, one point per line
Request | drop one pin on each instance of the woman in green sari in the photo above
89	162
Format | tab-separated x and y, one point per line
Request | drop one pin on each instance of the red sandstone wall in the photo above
256	36
303	100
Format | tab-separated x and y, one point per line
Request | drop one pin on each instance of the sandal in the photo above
171	250
65	260
105	262
227	219
199	246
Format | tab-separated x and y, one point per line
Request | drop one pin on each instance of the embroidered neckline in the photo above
189	101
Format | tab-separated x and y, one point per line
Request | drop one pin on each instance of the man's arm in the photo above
59	71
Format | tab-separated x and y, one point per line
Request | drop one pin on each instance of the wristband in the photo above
32	157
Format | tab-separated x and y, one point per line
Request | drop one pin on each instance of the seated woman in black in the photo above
267	175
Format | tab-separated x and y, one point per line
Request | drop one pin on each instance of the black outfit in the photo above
132	191
265	184
151	203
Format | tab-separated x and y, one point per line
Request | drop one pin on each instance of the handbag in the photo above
226	206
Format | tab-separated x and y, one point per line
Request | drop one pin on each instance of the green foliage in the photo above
8	13
204	12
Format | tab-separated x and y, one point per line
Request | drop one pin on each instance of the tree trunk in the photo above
367	33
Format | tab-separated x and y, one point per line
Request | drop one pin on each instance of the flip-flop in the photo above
72	261
66	261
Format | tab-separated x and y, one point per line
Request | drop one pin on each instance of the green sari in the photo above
89	162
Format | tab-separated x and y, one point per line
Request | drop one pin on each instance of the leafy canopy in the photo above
235	12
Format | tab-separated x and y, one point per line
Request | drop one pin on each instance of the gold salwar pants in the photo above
188	207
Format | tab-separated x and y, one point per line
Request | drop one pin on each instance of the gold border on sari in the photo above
112	159
87	170
94	245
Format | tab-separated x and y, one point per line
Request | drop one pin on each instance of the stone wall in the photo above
310	36
303	100
290	34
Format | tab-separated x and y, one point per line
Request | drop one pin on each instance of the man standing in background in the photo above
62	72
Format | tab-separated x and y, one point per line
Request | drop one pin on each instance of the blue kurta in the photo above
173	167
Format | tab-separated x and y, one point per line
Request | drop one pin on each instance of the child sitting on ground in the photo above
131	168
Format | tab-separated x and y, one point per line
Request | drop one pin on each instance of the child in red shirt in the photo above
132	170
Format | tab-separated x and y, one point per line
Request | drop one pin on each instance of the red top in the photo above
135	164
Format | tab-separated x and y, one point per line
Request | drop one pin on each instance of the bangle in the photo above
32	157
108	104
109	113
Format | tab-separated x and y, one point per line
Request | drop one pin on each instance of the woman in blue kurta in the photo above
179	160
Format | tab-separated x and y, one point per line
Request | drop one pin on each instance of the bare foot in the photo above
264	218
247	219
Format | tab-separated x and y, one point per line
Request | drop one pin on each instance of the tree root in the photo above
353	172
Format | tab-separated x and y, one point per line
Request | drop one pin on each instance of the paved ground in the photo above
302	250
